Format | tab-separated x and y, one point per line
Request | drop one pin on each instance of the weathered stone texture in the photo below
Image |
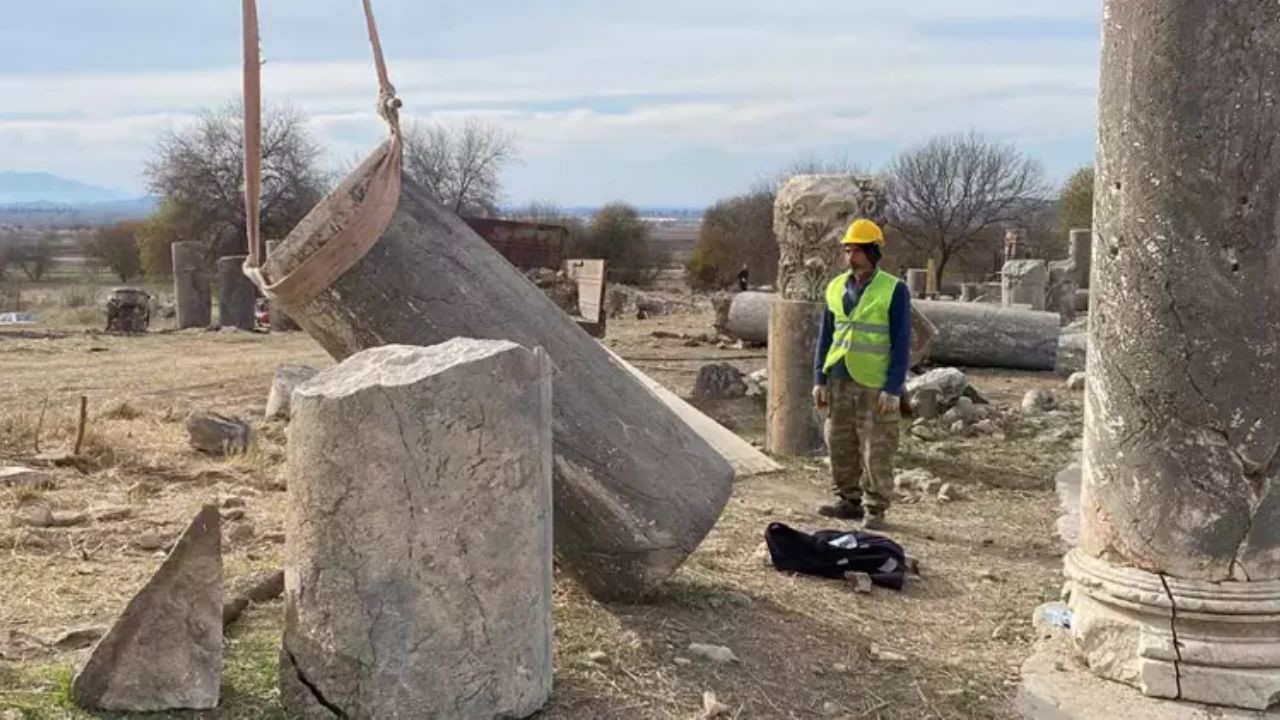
418	560
810	215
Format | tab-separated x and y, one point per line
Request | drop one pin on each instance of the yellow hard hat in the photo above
863	232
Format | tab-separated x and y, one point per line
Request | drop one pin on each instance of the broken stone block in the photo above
419	527
1038	401
714	653
164	652
719	381
217	434
20	476
949	382
924	403
287	378
860	581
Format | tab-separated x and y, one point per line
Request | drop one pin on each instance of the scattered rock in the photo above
712	707
598	657
949	382
1076	381
68	519
217	434
738	598
236	513
1038	401
111	513
988	575
860	581
21	476
719	381
984	427
829	708
962	411
260	588
79	638
926	433
164	652
925	403
878	653
240	532
682	661
957	427
36	514
274	537
714	653
949	492
232	501
287	378
149	541
840	668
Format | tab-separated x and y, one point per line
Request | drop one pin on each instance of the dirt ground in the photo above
948	646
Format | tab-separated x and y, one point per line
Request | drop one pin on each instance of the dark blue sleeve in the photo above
825	333
899	339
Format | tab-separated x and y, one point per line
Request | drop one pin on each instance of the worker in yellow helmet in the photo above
864	348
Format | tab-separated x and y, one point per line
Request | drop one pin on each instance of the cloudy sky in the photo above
660	102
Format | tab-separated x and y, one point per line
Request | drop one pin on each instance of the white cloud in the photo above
752	79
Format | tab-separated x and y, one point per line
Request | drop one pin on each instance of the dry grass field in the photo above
948	646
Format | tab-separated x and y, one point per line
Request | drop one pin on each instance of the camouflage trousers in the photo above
862	444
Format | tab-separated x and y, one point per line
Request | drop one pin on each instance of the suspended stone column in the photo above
280	320
810	215
192	295
418	562
236	294
1175	585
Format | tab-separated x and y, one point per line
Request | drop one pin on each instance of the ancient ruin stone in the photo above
916	281
719	381
21	476
1175	585
418	560
810	215
192	287
1038	401
164	652
287	378
217	434
128	310
1024	282
983	335
950	384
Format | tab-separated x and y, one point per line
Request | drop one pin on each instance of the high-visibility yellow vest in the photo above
862	341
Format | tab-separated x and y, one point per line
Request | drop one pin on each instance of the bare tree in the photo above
460	165
34	255
955	189
201	169
116	246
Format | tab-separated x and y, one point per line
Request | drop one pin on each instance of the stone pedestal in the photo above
794	426
280	320
1024	282
418	562
917	282
236	294
1176	582
192	291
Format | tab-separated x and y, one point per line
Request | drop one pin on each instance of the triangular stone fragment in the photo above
164	652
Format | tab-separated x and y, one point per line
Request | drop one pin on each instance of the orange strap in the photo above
375	210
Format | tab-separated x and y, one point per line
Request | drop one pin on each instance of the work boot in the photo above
843	509
875	521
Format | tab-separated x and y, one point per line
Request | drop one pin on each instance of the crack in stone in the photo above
1173	630
314	690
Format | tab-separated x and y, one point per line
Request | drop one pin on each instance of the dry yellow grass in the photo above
805	644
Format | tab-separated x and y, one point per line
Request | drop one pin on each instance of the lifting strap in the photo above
374	210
